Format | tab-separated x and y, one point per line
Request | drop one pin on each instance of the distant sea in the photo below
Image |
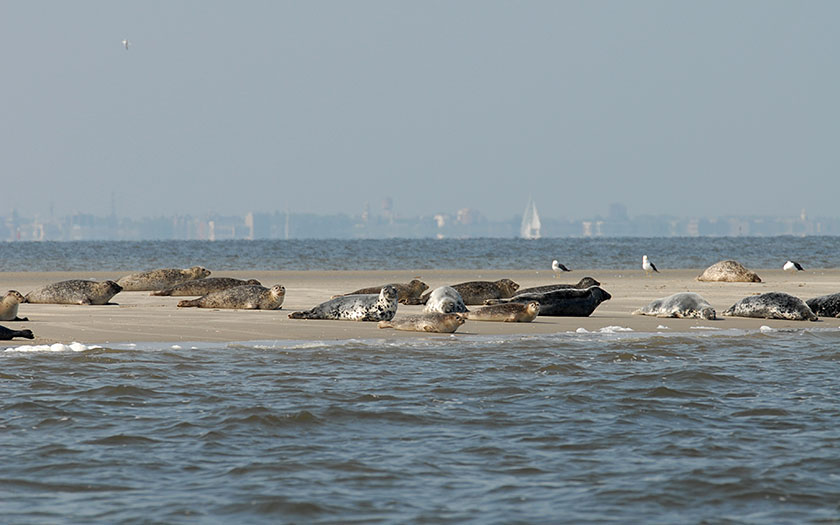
397	254
706	426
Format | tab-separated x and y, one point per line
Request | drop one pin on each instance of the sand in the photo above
139	317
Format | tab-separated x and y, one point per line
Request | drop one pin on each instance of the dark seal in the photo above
204	286
825	305
568	302
7	334
583	284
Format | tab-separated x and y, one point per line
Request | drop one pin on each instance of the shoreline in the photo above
138	317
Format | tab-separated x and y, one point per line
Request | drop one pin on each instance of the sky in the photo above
217	107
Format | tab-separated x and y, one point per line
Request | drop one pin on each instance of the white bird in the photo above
126	43
557	267
792	266
648	266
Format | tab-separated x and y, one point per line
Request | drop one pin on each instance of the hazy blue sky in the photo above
685	108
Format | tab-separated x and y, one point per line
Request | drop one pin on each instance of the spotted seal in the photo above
7	334
428	322
566	302
508	312
9	306
445	300
160	278
729	271
246	297
408	293
682	305
583	284
204	286
75	291
772	305
362	307
825	305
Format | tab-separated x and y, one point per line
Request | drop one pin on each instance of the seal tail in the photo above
299	315
162	292
385	324
23	333
186	303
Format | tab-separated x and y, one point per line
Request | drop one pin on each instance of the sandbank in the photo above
140	317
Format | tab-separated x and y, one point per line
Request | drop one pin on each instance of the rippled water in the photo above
396	254
708	427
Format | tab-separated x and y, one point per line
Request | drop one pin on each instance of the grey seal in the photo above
408	293
75	291
362	307
682	305
825	305
445	300
508	312
204	286
567	302
729	271
476	292
583	284
772	305
7	334
246	297
160	278
9	306
428	322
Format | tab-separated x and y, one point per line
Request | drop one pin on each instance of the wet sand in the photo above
139	317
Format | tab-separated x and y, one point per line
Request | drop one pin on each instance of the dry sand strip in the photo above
139	317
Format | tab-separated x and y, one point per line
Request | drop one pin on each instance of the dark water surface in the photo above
408	254
707	427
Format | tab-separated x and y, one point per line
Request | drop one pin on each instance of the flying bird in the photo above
125	44
557	267
648	266
792	266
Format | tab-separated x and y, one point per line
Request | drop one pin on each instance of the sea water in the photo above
706	426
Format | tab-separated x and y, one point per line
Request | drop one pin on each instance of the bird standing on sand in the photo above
557	267
792	266
648	266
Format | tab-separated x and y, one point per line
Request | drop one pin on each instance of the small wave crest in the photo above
55	347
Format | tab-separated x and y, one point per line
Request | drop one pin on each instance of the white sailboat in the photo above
530	228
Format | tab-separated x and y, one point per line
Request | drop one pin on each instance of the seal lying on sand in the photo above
429	322
508	312
75	291
247	297
363	307
9	306
583	284
773	305
7	334
409	293
160	279
204	286
567	302
445	300
682	305
476	292
729	271
825	305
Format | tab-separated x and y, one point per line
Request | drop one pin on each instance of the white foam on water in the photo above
55	347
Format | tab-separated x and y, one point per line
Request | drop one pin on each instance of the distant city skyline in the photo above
213	107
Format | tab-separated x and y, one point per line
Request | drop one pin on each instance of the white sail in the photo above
530	228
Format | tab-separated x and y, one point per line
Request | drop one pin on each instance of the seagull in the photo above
792	266
125	44
557	267
648	266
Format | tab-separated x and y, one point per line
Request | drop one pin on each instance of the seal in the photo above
408	293
583	284
682	305
161	278
730	272
204	286
476	292
567	302
7	334
428	322
825	305
246	297
362	307
772	305
508	312
445	300
75	291
9	306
